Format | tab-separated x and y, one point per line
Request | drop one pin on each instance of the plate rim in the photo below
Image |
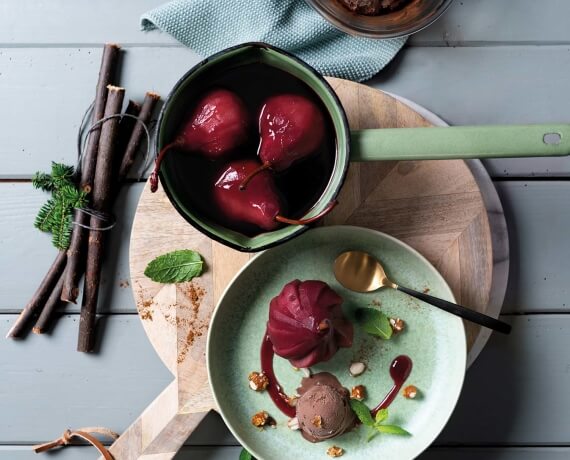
331	228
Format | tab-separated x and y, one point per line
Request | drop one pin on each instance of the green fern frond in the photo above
61	174
44	219
69	193
61	238
56	215
43	182
61	230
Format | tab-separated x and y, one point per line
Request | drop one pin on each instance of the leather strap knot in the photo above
83	433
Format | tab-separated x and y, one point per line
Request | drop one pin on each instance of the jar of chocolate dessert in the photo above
380	18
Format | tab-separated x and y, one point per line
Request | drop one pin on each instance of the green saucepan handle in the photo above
460	142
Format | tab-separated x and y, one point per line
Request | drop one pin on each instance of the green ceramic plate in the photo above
433	339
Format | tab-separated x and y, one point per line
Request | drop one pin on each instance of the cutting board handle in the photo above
460	142
160	431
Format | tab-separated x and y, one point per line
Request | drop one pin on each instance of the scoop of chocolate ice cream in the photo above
323	408
373	7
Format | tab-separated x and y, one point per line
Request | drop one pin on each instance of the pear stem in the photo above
310	220
250	176
154	175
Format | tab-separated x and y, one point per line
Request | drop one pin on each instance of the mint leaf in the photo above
392	429
362	412
175	267
374	322
245	455
381	415
372	433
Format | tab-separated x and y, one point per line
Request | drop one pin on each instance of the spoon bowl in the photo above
362	272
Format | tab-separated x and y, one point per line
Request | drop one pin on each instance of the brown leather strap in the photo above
82	433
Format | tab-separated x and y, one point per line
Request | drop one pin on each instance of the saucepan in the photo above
458	142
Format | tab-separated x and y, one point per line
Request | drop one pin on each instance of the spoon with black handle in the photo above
362	272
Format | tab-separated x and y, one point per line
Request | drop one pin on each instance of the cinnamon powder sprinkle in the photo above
145	311
190	321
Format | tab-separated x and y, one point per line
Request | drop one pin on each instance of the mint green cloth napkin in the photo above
208	26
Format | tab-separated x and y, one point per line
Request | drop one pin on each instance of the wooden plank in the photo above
27	254
58	387
47	386
538	221
48	90
514	392
482	22
33	81
496	453
465	23
232	453
532	208
490	85
29	22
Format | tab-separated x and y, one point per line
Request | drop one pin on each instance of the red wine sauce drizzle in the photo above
274	389
399	371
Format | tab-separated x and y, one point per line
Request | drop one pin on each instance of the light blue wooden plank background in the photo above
486	61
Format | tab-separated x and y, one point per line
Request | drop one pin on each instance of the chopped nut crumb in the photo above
397	324
262	419
358	392
258	381
317	421
335	451
357	369
426	290
410	392
292	400
293	424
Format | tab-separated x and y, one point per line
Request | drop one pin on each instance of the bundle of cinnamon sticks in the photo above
110	152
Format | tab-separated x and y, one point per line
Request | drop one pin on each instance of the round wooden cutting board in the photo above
437	207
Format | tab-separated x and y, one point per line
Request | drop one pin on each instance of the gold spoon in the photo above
362	272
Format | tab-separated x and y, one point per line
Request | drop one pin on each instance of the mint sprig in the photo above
375	425
374	322
175	267
362	412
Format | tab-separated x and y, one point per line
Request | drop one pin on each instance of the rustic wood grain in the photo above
434	206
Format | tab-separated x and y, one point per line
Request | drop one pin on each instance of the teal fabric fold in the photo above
208	26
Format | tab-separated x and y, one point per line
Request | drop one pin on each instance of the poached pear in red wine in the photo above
216	126
259	204
298	177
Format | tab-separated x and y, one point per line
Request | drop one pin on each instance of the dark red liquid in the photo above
301	185
274	389
399	371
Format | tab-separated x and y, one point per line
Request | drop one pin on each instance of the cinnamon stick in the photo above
50	307
106	73
37	301
126	126
76	250
101	199
147	109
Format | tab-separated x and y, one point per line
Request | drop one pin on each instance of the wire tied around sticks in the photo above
82	142
101	216
81	145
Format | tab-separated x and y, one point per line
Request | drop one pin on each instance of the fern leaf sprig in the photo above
61	174
44	219
55	216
